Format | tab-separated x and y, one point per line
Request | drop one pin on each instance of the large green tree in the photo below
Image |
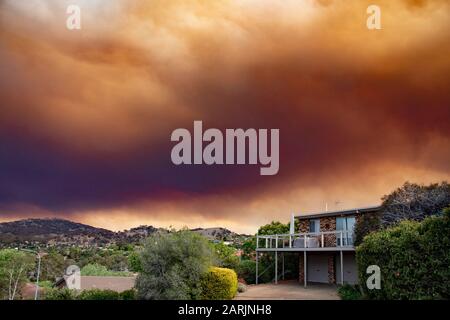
14	268
172	266
53	266
413	258
226	255
275	227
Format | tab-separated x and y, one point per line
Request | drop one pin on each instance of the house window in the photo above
346	224
314	225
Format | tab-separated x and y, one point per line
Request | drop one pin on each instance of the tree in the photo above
14	268
409	202
248	248
413	258
366	224
226	255
134	261
99	270
53	266
414	202
172	266
275	227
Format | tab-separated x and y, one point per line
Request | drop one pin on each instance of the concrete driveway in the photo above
289	290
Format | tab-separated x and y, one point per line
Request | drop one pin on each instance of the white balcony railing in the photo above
326	239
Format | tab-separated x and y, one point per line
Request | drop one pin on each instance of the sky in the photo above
86	115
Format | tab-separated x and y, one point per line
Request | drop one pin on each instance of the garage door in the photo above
317	268
350	270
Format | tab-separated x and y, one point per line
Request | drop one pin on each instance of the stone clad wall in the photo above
303	226
301	270
328	224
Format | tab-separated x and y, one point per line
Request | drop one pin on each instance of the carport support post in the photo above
256	280
305	276
342	268
282	270
276	267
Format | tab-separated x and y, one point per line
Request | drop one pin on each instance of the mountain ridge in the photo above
58	231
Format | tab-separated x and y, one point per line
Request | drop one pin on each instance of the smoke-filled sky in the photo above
86	115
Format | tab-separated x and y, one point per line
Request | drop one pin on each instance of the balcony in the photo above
341	240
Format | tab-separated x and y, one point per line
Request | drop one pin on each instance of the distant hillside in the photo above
50	227
61	232
216	233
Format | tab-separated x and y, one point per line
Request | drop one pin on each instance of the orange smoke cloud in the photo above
86	115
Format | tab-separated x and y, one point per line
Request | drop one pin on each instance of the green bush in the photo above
247	271
15	266
92	294
226	255
266	266
134	261
99	270
130	294
46	284
173	265
98	294
413	257
219	284
349	292
59	294
369	222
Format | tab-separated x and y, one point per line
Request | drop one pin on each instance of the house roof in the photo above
118	284
115	283
339	213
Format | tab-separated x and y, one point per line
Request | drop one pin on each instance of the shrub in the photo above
413	257
130	294
247	271
53	266
46	284
59	294
98	294
349	292
92	294
172	266
219	284
368	223
226	255
14	268
99	270
134	261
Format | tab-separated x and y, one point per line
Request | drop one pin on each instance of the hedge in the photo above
98	294
247	271
130	294
349	292
219	284
91	294
59	294
413	257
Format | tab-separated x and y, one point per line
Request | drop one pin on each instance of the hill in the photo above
61	232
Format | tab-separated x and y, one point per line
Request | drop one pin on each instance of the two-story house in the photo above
324	244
